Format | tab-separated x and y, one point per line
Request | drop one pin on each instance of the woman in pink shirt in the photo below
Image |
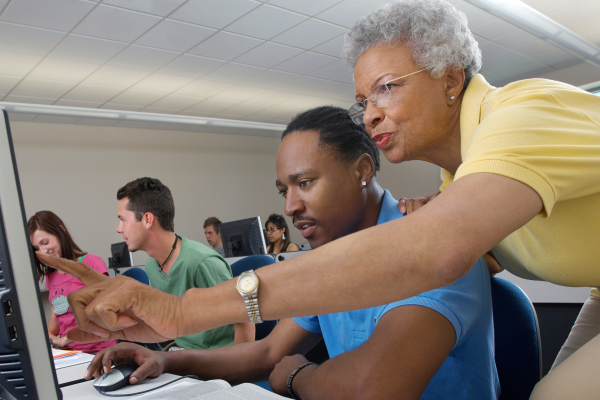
48	234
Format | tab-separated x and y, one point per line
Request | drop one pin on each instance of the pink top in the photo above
60	285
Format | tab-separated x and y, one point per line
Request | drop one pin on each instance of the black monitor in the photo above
26	364
243	237
121	256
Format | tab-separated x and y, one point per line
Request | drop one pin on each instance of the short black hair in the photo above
336	130
150	195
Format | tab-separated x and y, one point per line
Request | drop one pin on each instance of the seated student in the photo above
213	234
146	220
435	345
278	235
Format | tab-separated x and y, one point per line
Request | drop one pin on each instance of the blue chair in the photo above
138	274
517	340
255	262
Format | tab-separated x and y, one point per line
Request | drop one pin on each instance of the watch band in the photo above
252	308
291	379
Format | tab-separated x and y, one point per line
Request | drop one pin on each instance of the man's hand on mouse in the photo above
85	274
150	363
123	308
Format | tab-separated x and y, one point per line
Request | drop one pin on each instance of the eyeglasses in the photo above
273	229
379	96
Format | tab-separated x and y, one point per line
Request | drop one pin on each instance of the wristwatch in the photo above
247	285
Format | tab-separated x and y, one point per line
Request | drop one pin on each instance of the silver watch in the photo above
247	285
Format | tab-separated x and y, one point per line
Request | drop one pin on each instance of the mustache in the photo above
304	218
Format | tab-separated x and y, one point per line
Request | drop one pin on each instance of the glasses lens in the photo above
380	95
356	112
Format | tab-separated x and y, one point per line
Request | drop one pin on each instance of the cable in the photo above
108	394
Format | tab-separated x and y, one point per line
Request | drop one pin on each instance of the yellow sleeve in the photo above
546	137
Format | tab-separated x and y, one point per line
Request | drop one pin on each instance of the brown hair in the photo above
49	222
279	222
214	221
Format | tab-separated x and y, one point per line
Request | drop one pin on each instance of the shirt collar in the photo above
389	208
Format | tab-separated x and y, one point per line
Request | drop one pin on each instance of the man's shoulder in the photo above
194	249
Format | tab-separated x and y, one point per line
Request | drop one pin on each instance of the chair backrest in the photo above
254	262
517	340
138	274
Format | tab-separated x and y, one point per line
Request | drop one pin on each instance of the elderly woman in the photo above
521	171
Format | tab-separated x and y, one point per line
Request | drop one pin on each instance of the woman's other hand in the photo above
408	206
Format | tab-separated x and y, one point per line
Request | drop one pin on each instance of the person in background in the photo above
49	234
278	235
213	234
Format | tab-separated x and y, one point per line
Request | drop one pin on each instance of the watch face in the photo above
247	283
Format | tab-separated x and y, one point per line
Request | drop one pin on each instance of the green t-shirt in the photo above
197	266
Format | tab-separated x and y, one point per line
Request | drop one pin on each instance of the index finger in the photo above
84	273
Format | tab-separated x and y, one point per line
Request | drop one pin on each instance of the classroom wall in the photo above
75	171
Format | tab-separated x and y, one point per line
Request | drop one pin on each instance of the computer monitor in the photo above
121	256
23	334
243	237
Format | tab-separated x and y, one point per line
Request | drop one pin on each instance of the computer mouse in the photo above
117	378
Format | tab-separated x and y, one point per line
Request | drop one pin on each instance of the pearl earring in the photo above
451	97
364	183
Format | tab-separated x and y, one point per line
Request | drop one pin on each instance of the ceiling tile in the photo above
8	82
162	7
134	124
336	90
240	110
270	79
56	119
176	102
332	48
162	83
73	103
60	15
265	22
304	84
142	58
307	7
100	94
534	49
17	64
494	29
233	73
268	55
517	39
27	40
238	93
272	97
273	112
490	49
192	66
459	4
213	13
159	110
61	70
175	35
309	34
211	106
348	12
225	46
506	58
201	88
305	63
335	71
41	88
113	23
115	77
304	102
166	126
136	98
476	16
120	107
96	121
348	79
195	114
28	99
557	58
86	49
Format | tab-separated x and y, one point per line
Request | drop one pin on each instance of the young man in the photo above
438	344
176	264
213	234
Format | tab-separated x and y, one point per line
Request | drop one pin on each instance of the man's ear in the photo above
365	168
148	220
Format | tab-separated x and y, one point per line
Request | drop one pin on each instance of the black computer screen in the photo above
243	237
26	364
121	256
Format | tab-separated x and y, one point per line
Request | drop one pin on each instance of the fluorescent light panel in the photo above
536	23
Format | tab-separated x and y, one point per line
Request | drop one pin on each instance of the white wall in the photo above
76	170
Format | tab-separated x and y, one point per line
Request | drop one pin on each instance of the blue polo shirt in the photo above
469	372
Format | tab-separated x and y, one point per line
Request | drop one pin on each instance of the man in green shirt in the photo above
176	264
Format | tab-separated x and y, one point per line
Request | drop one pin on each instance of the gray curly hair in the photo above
436	32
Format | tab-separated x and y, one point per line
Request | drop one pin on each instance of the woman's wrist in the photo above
299	378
